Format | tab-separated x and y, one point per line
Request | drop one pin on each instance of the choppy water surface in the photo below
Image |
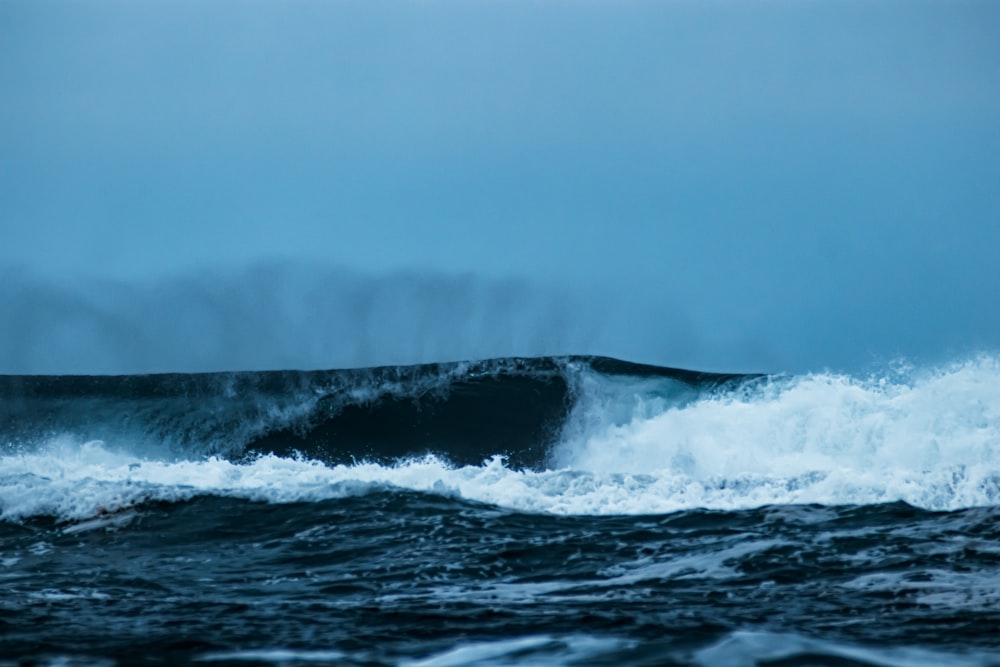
520	511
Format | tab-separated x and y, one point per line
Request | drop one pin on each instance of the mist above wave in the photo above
280	315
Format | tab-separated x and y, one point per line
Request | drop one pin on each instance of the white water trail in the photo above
840	438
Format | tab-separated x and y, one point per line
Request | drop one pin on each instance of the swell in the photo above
376	570
463	411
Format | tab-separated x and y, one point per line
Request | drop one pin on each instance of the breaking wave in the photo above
563	435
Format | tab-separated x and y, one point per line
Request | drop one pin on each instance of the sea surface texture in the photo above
543	511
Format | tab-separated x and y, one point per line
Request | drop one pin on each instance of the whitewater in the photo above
557	510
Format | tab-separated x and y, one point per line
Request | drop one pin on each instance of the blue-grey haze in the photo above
726	185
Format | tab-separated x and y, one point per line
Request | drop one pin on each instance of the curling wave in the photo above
573	435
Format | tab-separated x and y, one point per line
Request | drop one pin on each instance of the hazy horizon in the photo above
773	186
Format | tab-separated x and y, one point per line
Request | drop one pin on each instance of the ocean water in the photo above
547	511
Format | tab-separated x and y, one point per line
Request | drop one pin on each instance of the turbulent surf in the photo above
556	510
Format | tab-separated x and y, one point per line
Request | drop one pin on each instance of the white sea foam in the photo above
931	439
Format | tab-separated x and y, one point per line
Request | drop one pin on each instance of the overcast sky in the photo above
728	185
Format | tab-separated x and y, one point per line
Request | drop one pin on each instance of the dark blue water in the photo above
576	511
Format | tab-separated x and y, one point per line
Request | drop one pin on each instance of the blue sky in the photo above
727	185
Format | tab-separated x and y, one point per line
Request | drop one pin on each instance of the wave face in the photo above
553	510
464	412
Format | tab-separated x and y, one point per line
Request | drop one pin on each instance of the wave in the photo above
462	411
567	435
